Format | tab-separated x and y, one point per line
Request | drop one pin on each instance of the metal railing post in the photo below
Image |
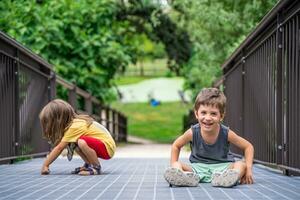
279	88
88	104
72	99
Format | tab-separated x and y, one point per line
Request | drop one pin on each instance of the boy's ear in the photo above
196	114
222	116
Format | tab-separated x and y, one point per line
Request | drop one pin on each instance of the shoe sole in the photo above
176	177
229	178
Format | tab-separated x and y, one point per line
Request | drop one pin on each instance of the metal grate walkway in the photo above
130	178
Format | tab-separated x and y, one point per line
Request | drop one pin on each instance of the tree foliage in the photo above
88	41
216	28
82	39
150	18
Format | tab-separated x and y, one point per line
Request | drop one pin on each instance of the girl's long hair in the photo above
56	117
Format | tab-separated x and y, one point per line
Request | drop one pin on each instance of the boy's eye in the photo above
203	113
214	114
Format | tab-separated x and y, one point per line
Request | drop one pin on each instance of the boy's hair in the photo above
211	96
56	117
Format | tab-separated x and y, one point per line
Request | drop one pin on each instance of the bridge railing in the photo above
27	83
261	81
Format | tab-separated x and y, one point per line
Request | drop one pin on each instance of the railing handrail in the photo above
79	91
24	50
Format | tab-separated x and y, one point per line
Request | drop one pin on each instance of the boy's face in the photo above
209	117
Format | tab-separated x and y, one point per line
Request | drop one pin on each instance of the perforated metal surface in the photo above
130	178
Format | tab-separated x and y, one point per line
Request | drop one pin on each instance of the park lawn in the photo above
152	69
126	80
162	124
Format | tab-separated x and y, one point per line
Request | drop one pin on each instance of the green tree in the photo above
152	19
216	28
82	39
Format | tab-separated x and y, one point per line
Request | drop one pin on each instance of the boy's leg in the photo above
182	166
230	176
181	174
240	166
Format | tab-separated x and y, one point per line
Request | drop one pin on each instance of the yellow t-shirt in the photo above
79	128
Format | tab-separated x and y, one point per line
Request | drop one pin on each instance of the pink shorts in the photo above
97	145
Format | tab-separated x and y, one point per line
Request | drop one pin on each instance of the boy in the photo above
209	139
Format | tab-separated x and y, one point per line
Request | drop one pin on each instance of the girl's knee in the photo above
81	143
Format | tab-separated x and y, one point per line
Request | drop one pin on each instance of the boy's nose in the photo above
207	118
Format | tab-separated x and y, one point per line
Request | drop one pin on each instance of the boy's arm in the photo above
56	151
248	153
179	143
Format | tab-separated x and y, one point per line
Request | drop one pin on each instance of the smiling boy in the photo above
210	140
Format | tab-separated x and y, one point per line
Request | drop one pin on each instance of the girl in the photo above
64	128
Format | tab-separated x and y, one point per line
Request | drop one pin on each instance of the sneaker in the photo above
228	178
177	177
71	147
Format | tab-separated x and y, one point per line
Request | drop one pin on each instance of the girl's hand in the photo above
45	170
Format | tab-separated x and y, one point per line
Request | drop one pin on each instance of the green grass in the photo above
162	124
152	69
125	80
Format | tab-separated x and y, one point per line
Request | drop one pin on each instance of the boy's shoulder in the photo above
224	126
195	126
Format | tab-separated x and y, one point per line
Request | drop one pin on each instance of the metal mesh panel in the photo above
32	96
291	51
234	92
7	105
259	101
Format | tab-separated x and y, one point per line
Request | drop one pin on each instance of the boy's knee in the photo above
240	165
176	164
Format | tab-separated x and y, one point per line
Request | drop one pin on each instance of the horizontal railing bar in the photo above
25	64
24	156
25	50
270	164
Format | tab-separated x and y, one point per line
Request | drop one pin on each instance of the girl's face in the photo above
209	118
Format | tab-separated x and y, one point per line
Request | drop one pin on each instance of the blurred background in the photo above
145	58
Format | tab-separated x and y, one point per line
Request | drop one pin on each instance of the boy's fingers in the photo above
45	172
249	180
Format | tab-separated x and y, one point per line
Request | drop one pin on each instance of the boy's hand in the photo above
248	177
45	170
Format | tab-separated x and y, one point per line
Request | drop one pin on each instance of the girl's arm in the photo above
56	151
248	153
180	142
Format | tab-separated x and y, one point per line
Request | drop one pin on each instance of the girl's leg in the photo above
82	156
88	154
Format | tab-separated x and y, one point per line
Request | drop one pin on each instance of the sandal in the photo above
79	169
92	170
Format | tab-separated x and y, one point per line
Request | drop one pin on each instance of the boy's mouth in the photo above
206	124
